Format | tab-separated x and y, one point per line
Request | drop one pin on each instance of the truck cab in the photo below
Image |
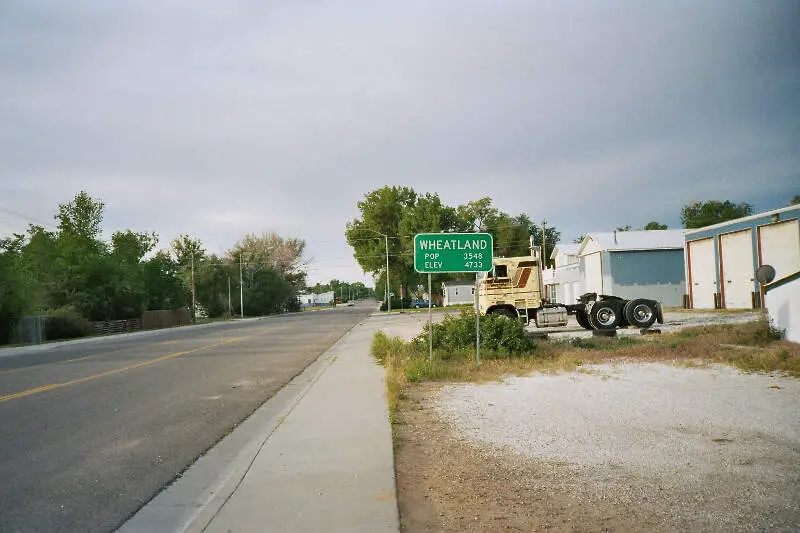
513	288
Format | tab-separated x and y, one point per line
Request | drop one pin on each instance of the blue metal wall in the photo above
738	225
656	274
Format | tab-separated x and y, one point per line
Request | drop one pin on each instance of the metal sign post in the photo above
477	322
430	320
453	253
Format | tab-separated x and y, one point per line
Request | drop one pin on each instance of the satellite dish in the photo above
765	274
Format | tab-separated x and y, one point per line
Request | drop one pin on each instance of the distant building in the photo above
316	300
458	292
564	282
635	264
722	259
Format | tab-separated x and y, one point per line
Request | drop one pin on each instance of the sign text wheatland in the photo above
452	252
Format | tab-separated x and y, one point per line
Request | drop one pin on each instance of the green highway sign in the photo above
452	252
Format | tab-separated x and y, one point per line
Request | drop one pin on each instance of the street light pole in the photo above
388	294
386	242
241	288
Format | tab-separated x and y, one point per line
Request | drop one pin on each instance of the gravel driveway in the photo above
690	448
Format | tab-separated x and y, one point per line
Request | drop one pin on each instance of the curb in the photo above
195	498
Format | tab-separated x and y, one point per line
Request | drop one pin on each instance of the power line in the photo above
26	217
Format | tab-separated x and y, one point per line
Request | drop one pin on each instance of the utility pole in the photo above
230	307
194	301
544	244
241	287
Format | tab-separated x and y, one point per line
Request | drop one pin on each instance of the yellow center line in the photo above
53	386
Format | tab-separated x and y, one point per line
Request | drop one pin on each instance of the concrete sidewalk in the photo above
316	457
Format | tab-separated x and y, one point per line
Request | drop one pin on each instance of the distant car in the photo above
418	304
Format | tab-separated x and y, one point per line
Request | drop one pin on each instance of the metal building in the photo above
316	300
721	260
458	292
635	264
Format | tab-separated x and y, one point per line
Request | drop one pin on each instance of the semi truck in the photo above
514	288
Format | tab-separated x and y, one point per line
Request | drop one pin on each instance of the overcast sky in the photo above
222	118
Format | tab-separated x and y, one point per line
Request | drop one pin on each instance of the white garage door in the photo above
779	246
736	255
702	273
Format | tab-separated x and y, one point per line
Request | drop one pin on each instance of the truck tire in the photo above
641	313
583	320
605	315
504	311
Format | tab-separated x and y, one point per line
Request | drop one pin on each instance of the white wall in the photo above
457	294
783	306
593	272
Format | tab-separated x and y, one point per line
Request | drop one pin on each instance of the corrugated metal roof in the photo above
743	219
665	239
565	248
570	248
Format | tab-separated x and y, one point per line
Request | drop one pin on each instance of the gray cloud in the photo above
219	119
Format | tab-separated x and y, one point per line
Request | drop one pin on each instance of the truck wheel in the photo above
641	313
503	311
605	315
508	313
583	320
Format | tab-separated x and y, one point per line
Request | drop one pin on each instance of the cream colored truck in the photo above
514	288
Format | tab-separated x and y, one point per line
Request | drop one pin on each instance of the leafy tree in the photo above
81	217
264	255
271	250
511	235
653	225
477	215
12	303
185	249
164	283
795	200
130	247
382	213
212	277
626	227
701	214
400	213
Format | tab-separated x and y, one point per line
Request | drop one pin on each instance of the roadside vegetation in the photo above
506	350
71	274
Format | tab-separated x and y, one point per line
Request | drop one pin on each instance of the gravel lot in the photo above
691	448
612	447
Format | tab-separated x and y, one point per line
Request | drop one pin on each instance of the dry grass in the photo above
751	347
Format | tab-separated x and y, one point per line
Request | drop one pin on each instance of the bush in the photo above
385	347
65	323
456	335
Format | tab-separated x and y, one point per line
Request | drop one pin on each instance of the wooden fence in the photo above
116	326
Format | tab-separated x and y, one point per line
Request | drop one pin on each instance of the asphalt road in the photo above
91	432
